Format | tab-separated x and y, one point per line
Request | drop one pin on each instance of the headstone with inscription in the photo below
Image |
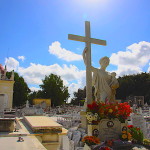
139	121
109	129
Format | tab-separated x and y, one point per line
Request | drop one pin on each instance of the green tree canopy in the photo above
134	85
54	89
21	90
79	97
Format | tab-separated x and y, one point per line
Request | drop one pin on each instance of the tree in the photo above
21	90
32	96
134	85
80	95
54	89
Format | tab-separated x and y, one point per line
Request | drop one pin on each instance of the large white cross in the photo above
88	40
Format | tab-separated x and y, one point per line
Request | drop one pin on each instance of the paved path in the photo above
30	143
9	141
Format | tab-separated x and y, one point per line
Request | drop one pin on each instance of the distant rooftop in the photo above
1	69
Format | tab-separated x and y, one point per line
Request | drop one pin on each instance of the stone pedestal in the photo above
83	119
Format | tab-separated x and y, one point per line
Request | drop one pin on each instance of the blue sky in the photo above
34	37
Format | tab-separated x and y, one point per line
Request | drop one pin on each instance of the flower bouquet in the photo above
146	142
92	118
108	111
137	134
126	136
91	140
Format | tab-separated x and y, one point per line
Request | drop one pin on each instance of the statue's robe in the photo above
101	83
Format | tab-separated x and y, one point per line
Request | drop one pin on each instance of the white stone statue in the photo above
104	82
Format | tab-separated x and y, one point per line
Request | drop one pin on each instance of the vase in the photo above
93	130
86	147
124	126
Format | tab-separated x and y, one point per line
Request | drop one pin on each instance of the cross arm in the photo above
85	39
97	41
76	38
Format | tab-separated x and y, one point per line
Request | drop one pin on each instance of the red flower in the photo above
137	129
105	148
130	126
93	106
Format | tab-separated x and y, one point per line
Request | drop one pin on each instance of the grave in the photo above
109	129
7	124
46	130
102	117
105	125
139	121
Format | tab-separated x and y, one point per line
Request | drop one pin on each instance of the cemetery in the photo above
102	123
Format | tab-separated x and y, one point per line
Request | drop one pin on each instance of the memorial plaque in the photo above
109	129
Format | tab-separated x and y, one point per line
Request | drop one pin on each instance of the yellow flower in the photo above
124	136
110	111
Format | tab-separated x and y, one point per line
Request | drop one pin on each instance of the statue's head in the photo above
113	74
104	62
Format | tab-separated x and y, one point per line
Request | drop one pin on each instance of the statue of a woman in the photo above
102	79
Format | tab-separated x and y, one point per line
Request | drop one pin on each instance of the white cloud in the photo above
72	77
62	53
21	58
133	59
35	72
11	63
34	89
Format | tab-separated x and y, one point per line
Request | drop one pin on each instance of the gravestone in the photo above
66	143
72	145
76	137
109	129
139	121
70	134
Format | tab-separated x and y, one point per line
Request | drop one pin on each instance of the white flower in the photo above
96	114
89	113
136	148
89	117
